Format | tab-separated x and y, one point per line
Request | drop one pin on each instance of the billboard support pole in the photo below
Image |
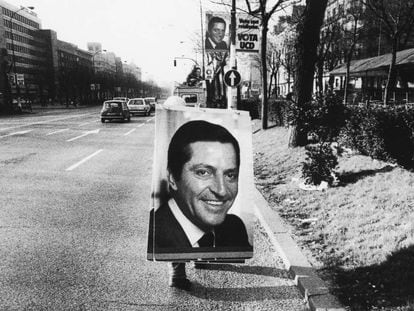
231	91
202	40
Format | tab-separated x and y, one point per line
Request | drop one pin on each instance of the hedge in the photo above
381	132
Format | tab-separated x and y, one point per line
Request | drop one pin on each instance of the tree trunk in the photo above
292	136
269	91
347	75
306	45
264	74
319	72
391	72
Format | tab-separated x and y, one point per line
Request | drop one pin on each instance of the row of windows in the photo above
68	60
24	50
18	28
28	61
20	18
25	40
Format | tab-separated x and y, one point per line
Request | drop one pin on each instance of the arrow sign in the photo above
84	134
232	78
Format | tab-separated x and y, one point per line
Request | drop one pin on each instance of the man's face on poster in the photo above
209	183
217	32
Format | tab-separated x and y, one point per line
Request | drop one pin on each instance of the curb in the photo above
313	288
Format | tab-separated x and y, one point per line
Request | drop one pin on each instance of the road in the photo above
73	224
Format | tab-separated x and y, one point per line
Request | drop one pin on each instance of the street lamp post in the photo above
12	46
175	60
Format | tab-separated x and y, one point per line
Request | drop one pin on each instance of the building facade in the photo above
25	48
35	64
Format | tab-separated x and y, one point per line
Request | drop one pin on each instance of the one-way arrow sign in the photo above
232	78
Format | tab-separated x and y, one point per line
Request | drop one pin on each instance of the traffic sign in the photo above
232	78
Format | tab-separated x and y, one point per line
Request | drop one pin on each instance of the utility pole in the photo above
231	90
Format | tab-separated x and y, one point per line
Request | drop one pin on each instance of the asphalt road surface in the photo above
74	209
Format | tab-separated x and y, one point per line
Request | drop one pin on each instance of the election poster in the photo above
247	34
217	32
202	186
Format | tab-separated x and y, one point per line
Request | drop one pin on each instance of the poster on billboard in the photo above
217	32
202	187
247	34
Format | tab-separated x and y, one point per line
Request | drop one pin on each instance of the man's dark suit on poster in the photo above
219	46
168	233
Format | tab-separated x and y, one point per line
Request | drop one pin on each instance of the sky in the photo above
149	33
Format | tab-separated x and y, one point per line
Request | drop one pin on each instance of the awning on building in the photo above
375	66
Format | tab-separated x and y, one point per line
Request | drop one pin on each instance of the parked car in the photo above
115	110
152	101
139	106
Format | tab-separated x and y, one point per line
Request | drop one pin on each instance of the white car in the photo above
125	99
139	106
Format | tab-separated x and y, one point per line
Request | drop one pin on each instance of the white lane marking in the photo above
58	131
150	119
71	168
16	133
82	124
141	125
129	132
84	134
46	121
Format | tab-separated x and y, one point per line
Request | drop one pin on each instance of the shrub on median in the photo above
383	133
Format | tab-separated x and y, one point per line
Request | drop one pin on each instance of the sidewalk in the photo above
313	288
58	106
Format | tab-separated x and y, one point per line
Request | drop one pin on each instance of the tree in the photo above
308	30
352	32
263	10
287	55
274	64
397	17
325	52
273	59
5	97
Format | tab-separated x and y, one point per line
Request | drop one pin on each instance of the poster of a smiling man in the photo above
200	209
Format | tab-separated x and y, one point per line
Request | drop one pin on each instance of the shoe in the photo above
180	283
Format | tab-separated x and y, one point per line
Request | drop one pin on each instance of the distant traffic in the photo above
122	108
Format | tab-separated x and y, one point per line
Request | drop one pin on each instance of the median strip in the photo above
71	168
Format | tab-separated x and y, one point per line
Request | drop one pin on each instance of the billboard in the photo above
247	33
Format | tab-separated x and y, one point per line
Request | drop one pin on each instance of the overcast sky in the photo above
149	33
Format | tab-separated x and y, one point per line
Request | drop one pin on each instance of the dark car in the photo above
115	110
